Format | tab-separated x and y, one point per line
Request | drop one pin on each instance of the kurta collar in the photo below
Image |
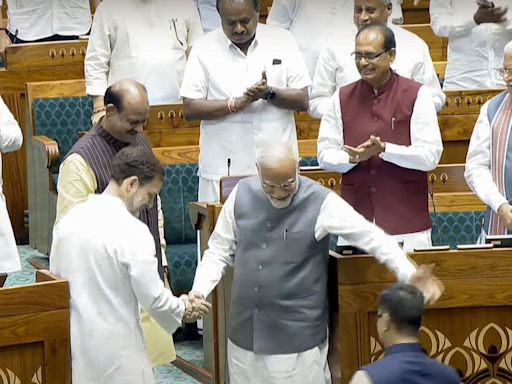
388	85
253	45
111	140
401	348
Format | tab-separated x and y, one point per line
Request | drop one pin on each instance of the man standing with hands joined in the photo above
382	134
224	87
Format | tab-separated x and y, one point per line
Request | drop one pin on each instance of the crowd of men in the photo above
374	87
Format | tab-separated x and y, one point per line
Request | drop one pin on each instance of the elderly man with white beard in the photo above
274	229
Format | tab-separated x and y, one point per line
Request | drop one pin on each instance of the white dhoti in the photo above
308	367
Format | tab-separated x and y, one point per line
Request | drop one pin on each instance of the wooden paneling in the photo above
34	332
47	55
415	14
462	328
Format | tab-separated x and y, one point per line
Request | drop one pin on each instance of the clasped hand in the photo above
487	12
195	306
371	147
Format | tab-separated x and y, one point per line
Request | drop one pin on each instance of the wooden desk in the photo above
34	332
468	328
415	14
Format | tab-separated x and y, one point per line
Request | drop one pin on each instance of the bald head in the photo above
127	110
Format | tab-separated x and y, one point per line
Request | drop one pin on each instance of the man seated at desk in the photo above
274	229
398	326
382	133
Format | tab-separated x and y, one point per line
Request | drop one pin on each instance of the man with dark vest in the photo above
382	133
86	169
274	228
489	162
398	324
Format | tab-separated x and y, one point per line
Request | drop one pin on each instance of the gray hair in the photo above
270	153
508	48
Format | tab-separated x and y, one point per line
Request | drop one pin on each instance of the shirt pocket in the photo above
276	73
400	131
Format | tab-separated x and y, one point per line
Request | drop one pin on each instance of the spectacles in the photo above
286	185
503	71
358	56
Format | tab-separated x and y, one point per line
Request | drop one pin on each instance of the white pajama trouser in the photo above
308	367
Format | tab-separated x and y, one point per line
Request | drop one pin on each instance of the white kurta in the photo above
478	163
474	51
144	40
210	18
11	139
337	217
37	19
218	70
312	23
337	68
108	256
423	154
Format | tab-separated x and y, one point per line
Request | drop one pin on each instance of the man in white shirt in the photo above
337	68
242	81
146	41
313	23
11	139
274	229
48	20
477	33
382	133
488	167
110	276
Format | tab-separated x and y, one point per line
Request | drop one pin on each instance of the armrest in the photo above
46	150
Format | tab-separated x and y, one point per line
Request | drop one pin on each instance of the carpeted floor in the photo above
188	350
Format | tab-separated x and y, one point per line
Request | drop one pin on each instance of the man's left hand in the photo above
258	90
372	147
431	287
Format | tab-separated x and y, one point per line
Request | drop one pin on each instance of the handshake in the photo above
195	306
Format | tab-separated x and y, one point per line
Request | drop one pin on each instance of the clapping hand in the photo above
488	13
431	287
258	90
371	147
195	306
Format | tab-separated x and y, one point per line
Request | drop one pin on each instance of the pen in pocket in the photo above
393	123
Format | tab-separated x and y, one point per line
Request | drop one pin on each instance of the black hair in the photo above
113	95
136	161
387	33
255	3
404	303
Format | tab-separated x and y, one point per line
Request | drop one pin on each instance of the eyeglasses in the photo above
503	71
286	185
358	56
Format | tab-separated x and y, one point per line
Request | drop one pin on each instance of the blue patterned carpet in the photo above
167	374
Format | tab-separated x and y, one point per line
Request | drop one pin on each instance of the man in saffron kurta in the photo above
489	162
86	169
382	134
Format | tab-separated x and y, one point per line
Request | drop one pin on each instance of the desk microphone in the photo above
431	194
229	164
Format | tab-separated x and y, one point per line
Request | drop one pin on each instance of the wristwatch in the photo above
270	94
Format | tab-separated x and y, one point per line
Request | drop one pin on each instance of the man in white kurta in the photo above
207	10
279	195
11	139
224	87
336	66
45	20
108	256
488	161
476	38
146	41
313	23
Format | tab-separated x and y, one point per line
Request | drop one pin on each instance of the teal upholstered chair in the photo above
452	228
179	189
57	123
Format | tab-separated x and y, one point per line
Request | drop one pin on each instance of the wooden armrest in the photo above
48	146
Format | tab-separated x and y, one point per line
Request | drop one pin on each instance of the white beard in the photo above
281	204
